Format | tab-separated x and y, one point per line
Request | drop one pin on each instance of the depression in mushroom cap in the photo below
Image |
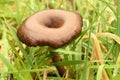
54	28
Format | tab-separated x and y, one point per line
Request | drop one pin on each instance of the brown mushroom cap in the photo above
53	28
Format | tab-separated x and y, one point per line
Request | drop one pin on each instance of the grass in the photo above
94	55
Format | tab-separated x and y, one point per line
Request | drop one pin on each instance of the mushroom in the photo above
54	28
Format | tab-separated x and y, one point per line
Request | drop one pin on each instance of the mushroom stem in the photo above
61	69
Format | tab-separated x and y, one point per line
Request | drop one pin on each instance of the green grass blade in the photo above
6	62
99	72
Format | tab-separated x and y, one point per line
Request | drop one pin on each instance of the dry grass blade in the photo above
45	75
97	54
110	35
